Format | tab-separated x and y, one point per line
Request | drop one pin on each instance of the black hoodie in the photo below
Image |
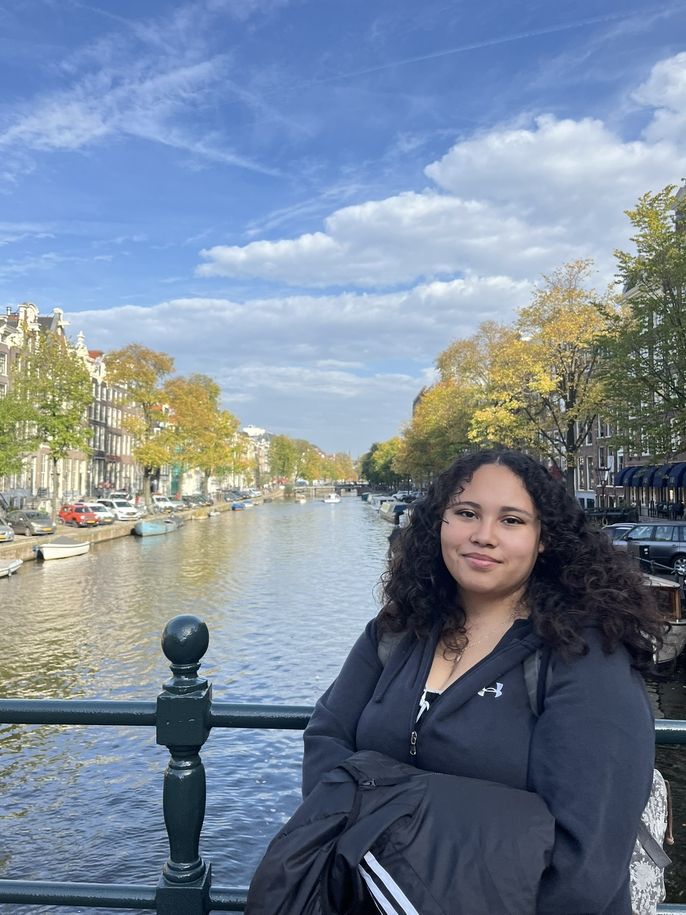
589	755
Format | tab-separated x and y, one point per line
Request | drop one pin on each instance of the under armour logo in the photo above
497	690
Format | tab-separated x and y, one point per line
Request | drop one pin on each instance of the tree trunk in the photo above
147	493
55	481
570	455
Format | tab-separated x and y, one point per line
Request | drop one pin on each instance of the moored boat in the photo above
152	527
392	511
62	548
668	596
9	567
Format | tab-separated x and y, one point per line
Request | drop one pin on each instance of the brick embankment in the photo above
23	547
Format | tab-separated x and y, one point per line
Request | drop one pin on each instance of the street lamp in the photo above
604	473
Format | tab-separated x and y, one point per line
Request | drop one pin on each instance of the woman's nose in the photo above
484	532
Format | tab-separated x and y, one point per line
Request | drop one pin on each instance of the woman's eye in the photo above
513	521
465	513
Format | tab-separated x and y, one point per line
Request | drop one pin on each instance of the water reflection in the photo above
284	589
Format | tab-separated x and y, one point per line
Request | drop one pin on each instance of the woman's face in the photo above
490	538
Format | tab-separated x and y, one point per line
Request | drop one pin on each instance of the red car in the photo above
78	514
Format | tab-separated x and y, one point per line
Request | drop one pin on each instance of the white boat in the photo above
62	548
300	500
332	499
9	567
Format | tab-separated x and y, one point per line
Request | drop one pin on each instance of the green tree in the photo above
15	437
647	369
141	372
52	383
283	458
379	465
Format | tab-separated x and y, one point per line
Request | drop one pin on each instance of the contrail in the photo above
477	45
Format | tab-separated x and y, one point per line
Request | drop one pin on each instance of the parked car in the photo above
6	532
165	504
121	509
78	514
618	533
659	546
30	522
104	515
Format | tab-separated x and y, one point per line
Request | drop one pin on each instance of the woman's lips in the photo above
479	561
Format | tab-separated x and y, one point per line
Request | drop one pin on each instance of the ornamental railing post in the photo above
183	712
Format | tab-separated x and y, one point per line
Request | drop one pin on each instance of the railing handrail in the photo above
183	716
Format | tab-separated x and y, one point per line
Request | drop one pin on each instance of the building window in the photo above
3	363
3	389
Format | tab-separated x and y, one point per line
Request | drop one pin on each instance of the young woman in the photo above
497	562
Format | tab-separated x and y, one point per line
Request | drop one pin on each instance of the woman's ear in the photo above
541	546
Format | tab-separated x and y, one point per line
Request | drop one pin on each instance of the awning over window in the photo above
630	474
620	476
659	477
642	475
676	474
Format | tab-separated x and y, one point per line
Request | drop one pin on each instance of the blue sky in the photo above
308	200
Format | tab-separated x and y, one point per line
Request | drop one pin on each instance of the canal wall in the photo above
24	547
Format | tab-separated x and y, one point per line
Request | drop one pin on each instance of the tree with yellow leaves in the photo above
203	433
141	373
545	387
439	429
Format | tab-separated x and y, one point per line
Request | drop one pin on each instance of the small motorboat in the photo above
213	513
300	500
9	567
62	548
332	499
153	527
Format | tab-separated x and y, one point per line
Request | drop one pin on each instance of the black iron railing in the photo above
183	716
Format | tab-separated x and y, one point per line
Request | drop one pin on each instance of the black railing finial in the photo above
183	713
184	642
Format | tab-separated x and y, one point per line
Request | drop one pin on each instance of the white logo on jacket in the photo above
496	690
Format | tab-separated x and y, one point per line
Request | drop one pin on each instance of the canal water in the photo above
284	589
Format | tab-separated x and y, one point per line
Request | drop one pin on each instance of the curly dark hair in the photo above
579	579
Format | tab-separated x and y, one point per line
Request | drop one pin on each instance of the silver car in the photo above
659	546
618	533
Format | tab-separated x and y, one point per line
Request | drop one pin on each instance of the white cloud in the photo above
395	241
514	199
326	332
665	91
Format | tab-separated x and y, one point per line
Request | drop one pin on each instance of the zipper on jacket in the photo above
413	743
